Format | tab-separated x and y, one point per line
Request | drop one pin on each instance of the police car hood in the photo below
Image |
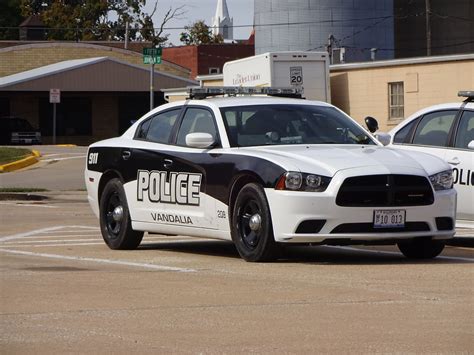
328	159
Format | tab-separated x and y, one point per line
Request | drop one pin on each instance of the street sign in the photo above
154	52
151	60
54	96
152	55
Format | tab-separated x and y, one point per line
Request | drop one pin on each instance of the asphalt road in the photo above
59	169
63	291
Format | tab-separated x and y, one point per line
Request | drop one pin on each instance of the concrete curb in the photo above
22	163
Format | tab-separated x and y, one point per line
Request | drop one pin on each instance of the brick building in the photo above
100	96
207	59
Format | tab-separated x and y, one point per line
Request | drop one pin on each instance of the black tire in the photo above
421	248
257	244
116	227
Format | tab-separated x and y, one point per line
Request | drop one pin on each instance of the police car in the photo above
266	171
447	131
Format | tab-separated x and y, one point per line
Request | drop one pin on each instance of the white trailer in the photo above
309	70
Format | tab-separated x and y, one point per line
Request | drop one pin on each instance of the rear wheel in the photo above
421	248
115	223
252	230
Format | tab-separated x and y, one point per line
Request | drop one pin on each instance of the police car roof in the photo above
255	100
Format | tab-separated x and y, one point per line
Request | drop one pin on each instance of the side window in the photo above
196	120
143	129
465	132
434	128
161	126
401	135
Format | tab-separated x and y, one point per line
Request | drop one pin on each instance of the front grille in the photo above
369	228
385	190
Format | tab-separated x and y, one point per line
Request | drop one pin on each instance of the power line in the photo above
381	18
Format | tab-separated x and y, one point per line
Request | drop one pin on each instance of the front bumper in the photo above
289	208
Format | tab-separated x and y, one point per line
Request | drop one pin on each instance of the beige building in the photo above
394	89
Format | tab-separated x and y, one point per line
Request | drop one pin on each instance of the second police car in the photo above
265	171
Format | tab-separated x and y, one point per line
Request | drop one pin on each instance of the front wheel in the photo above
115	223
252	230
421	248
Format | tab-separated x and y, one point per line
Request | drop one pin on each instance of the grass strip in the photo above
8	155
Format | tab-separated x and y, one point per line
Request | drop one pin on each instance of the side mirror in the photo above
383	138
371	124
199	140
471	145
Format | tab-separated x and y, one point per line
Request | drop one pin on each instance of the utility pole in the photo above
152	94
428	27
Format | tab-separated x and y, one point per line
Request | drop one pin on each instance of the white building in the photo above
222	23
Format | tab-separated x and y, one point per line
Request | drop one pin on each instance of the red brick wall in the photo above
200	58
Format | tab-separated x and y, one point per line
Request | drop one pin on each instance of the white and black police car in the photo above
264	171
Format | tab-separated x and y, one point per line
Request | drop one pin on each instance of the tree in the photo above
140	23
199	33
89	19
10	17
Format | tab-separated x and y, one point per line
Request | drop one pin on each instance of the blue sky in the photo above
240	10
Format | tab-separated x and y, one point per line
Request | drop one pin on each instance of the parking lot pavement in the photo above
59	169
63	291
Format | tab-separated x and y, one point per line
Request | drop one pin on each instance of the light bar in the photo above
466	93
199	92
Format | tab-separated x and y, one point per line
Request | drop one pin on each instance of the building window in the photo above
395	100
214	70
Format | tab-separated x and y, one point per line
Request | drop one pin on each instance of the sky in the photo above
240	10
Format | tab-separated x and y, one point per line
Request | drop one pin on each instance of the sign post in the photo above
54	98
152	56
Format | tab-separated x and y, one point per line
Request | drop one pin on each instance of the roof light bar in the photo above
468	94
201	92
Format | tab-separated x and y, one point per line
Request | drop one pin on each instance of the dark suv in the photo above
15	130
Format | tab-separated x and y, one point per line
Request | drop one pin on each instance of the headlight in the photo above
297	181
442	180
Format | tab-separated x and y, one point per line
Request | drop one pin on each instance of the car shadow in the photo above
317	255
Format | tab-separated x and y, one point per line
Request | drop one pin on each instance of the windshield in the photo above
290	124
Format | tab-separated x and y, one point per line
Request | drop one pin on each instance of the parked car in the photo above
265	171
446	131
16	131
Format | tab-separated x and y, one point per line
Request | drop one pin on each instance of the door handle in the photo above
454	161
167	163
126	154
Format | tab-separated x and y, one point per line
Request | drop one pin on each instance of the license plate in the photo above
389	218
28	141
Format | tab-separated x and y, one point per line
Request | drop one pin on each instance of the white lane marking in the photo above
60	236
19	242
59	159
40	235
55	244
48	245
19	204
56	154
39	231
397	254
100	261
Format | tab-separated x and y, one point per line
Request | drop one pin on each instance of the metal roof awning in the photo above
101	74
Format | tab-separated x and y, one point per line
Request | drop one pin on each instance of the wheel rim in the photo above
250	223
114	215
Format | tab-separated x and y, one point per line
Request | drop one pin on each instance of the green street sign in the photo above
154	52
147	59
